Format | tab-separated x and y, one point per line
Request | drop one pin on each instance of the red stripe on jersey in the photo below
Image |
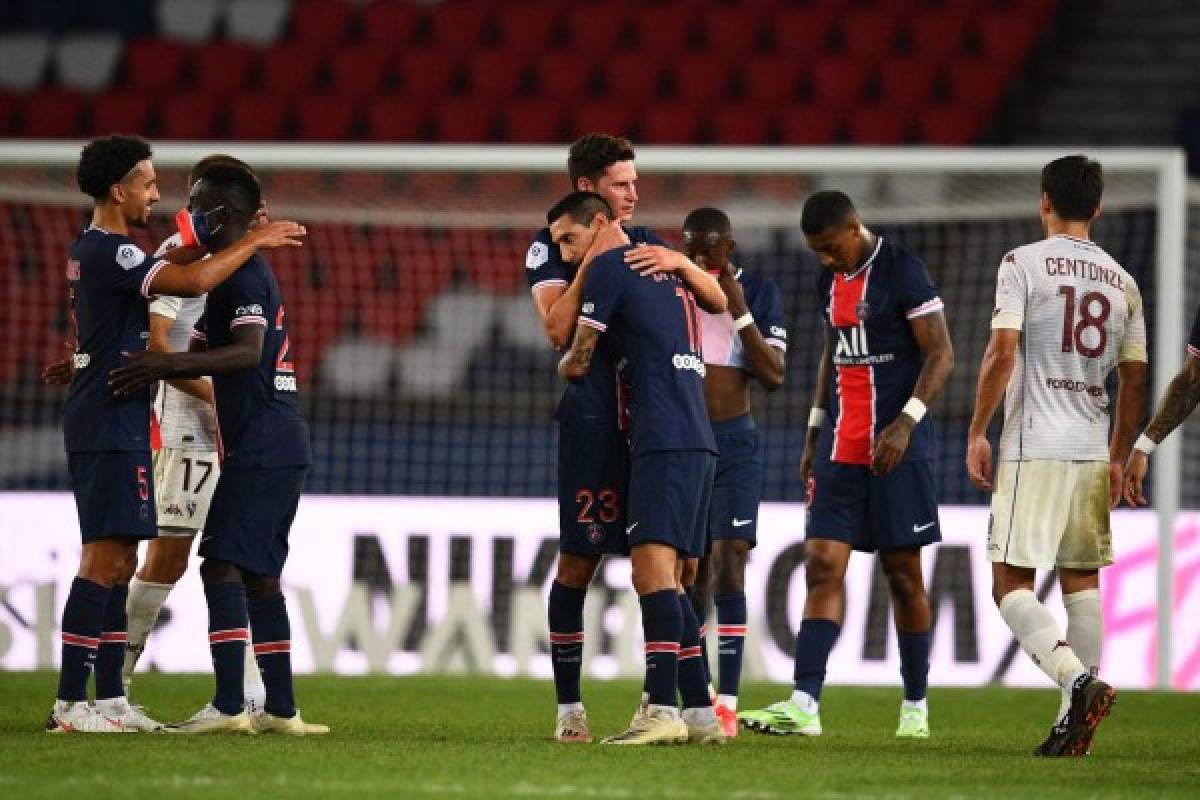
155	432
855	385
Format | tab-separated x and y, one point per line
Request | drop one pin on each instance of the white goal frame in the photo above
1167	165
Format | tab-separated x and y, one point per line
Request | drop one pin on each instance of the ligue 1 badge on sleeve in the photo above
862	310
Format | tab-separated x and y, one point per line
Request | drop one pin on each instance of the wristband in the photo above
914	408
1145	444
816	417
743	321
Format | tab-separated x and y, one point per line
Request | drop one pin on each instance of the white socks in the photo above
564	708
697	717
1085	632
142	607
728	700
805	702
921	705
1036	630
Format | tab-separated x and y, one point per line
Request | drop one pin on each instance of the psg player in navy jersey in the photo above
652	322
870	484
593	457
108	436
264	445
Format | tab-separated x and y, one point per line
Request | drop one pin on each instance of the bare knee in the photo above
166	559
689	572
109	561
821	571
576	572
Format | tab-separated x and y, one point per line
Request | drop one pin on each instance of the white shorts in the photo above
1051	513
184	481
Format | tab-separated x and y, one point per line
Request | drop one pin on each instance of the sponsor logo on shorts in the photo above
191	508
689	362
173	510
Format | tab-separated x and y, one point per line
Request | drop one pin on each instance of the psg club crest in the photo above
595	533
862	310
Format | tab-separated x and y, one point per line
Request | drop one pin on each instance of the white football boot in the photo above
210	720
132	717
79	717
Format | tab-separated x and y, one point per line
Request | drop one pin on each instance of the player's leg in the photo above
913	620
694	688
729	557
165	562
564	612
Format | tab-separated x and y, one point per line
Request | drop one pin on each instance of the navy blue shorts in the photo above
593	481
669	494
737	487
114	494
896	511
251	515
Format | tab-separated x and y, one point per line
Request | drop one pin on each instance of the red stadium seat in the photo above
596	29
8	106
808	125
154	65
427	73
290	68
802	30
190	115
771	79
322	24
361	71
939	35
258	116
458	27
978	84
840	82
1006	37
532	121
326	118
463	120
51	114
498	74
870	34
740	124
664	29
733	30
701	77
391	24
563	75
118	111
397	119
907	84
947	125
223	67
878	125
528	26
632	77
670	122
611	116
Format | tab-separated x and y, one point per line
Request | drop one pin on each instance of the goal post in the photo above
959	208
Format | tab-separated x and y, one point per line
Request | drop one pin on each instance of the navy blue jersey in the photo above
595	397
258	413
109	277
653	325
876	359
723	344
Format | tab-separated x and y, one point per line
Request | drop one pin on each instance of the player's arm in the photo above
999	360
148	367
933	339
1131	401
560	317
578	359
159	327
763	360
816	417
650	258
195	279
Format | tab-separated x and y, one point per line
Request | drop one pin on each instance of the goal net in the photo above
429	384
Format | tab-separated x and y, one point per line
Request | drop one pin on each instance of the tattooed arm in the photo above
1183	394
578	360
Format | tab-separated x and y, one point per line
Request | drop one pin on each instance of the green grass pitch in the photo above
466	737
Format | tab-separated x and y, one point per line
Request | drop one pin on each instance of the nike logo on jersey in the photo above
629	530
925	527
738	523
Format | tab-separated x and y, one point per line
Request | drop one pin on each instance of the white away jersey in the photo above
185	422
1079	313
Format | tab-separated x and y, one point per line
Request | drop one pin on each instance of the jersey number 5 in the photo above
1072	331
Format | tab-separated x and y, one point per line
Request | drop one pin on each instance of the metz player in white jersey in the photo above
186	468
1066	315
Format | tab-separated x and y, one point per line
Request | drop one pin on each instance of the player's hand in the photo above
806	463
143	369
890	445
651	258
260	217
1116	480
280	233
979	462
609	237
1135	474
60	372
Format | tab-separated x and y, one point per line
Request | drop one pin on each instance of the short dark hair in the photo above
1074	185
237	184
593	153
215	160
708	220
581	207
824	210
103	162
